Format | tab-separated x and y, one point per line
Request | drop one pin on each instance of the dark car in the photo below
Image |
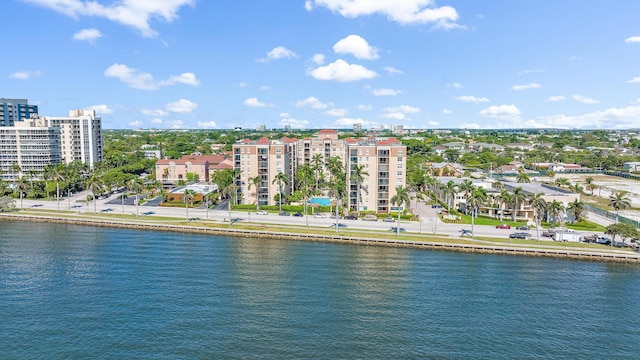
351	217
503	226
548	233
522	227
395	229
465	232
389	219
283	213
519	235
339	225
297	214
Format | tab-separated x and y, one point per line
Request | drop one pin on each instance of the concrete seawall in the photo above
468	248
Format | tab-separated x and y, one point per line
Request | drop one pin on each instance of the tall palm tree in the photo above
208	198
317	166
57	175
618	201
578	209
281	179
400	198
523	178
337	190
95	185
518	197
336	167
22	186
503	199
477	198
187	197
556	209
135	186
538	203
231	191
466	187
255	182
358	173
450	190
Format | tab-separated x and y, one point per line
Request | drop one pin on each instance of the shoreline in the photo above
583	255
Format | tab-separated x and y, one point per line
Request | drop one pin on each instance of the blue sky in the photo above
327	63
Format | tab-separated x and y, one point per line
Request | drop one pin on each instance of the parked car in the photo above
395	229
389	219
351	217
370	217
298	214
503	226
520	235
522	227
261	212
549	233
590	238
283	213
603	240
319	215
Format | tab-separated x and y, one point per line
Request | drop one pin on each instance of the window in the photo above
278	150
399	159
399	152
400	166
399	173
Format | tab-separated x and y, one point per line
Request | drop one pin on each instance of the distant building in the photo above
200	166
15	110
261	128
357	127
81	134
632	166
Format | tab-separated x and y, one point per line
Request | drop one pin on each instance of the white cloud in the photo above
145	81
318	59
469	126
207	124
337	112
158	112
286	119
447	111
617	118
525	87
394	115
101	109
403	108
529	71
132	13
90	35
500	111
472	99
25	75
356	46
243	84
401	11
392	70
156	121
364	107
385	92
634	80
279	52
181	106
254	102
632	39
265	88
584	99
349	122
556	98
574	58
455	85
433	123
342	71
311	102
135	124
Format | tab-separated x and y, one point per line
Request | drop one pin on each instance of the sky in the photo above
310	64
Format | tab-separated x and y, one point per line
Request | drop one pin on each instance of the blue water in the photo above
91	293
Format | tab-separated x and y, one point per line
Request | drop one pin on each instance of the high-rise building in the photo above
27	148
81	136
15	110
382	164
357	127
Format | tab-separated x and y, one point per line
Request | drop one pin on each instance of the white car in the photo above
319	216
261	212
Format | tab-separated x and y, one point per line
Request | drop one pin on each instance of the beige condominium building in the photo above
383	159
81	136
265	159
29	144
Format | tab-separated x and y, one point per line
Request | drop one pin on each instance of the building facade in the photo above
199	166
16	110
31	145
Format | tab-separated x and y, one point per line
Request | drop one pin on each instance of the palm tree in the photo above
450	189
208	198
591	187
15	169
556	209
476	199
518	197
503	199
401	197
537	202
466	187
619	201
336	167
576	188
280	179
22	187
135	186
188	196
255	182
578	209
6	203
231	191
94	184
57	175
560	182
523	178
316	165
358	173
337	190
